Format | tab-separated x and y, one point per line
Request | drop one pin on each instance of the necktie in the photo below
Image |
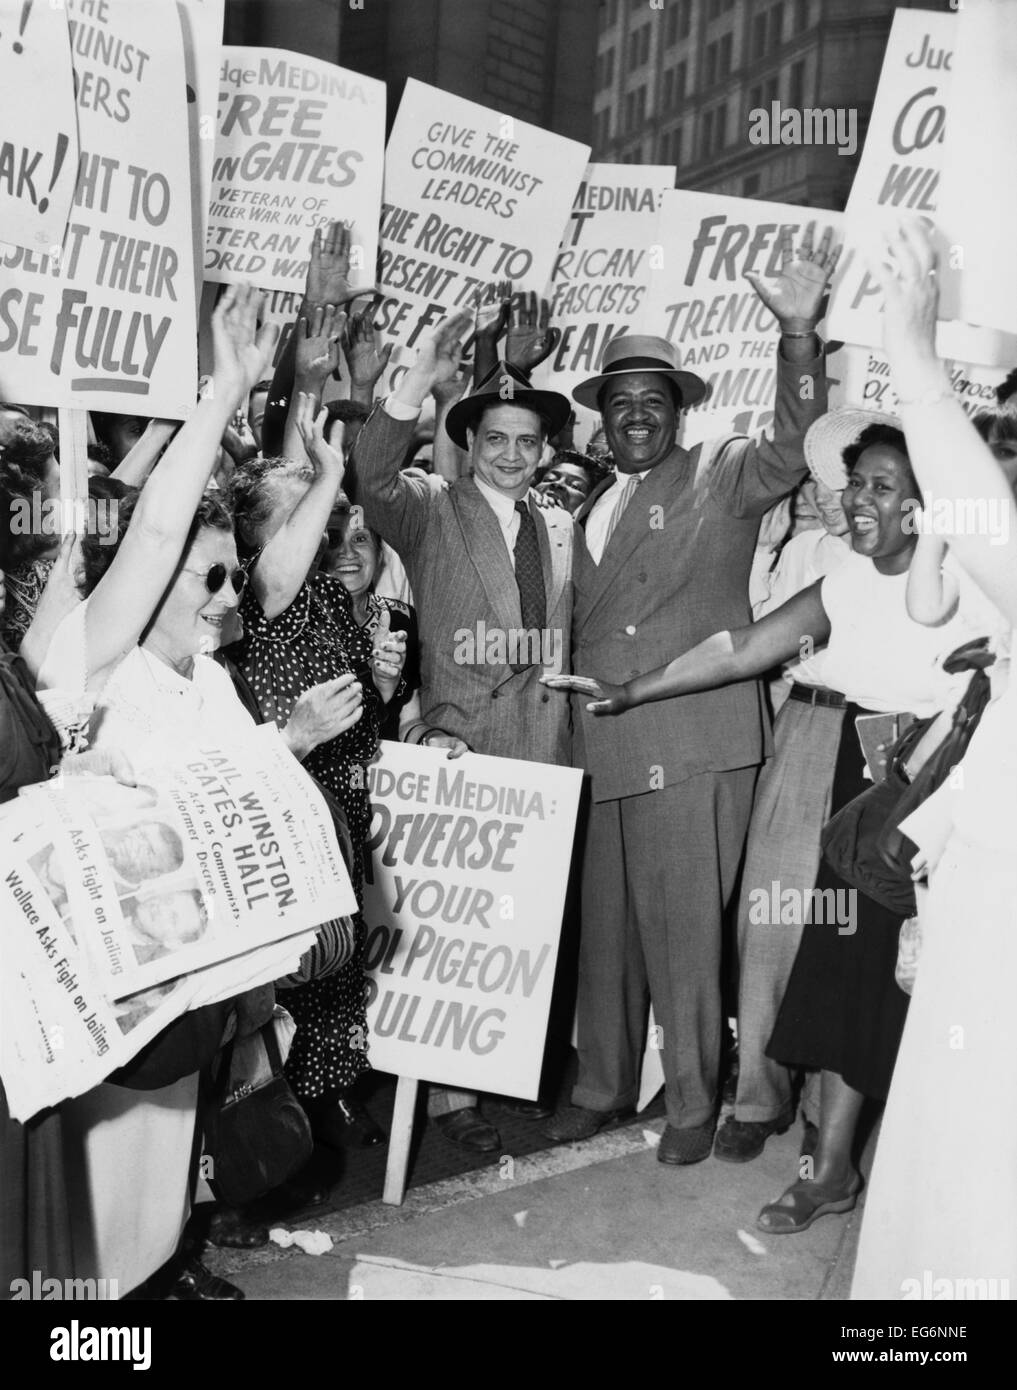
529	574
631	483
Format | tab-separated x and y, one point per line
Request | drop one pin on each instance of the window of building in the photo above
776	25
670	146
639	47
671	25
801	15
679	82
612	14
750	185
685	19
710	64
796	85
720	128
705	134
724	58
758	35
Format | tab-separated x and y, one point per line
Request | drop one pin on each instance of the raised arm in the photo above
397	506
136	466
287	556
720	659
129	593
949	458
932	596
751	475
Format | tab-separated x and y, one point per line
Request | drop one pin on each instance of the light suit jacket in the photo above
465	592
675	571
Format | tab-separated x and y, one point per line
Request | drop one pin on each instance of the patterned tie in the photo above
631	483
529	575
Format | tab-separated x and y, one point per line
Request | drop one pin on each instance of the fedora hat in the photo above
506	385
636	352
828	437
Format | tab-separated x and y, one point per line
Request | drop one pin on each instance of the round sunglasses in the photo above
215	577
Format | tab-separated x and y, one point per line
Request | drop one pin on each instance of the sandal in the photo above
804	1202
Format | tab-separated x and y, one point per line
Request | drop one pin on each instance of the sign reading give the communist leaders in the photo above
464	899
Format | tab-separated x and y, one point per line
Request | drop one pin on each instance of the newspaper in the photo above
125	906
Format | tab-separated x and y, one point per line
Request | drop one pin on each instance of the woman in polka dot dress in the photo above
299	631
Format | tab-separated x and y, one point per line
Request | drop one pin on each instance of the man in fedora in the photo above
664	562
491	574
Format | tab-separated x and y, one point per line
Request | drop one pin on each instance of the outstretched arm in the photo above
129	592
721	659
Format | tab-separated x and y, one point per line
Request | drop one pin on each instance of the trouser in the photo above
443	1100
792	803
658	871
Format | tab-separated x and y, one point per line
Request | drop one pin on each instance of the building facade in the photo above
677	81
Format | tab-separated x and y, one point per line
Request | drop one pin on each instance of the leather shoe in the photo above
740	1141
681	1146
344	1123
196	1284
526	1109
573	1123
469	1129
231	1229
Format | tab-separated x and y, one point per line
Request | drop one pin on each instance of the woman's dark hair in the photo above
593	468
890	438
252	493
98	550
996	423
23	462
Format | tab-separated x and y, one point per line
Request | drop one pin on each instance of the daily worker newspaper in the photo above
129	905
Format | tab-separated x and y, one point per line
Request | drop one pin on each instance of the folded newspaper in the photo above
125	906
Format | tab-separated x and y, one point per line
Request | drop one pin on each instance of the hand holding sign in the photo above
795	296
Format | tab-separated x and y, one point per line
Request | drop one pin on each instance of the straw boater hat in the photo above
635	352
828	437
506	385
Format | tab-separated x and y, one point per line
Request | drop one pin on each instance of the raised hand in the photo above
906	271
241	350
317	337
322	713
607	699
329	267
530	338
437	359
795	295
365	360
388	656
310	423
238	439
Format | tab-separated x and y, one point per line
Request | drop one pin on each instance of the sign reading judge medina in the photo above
463	900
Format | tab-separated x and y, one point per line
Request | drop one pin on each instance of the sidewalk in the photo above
600	1220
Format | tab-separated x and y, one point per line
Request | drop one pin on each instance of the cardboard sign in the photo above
110	325
900	171
464	899
471	197
299	143
603	271
201	23
38	138
861	376
705	306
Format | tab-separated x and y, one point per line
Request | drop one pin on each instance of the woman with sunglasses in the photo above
134	658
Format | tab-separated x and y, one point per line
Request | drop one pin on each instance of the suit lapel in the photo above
657	490
582	515
485	545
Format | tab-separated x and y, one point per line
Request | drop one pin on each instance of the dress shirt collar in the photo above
504	507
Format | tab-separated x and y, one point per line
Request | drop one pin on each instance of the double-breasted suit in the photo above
671	781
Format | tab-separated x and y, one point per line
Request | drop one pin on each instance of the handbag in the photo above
863	842
256	1132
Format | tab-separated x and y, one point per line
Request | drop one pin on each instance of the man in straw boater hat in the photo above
491	573
668	542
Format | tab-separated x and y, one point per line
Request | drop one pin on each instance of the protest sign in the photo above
469	863
704	305
861	376
201	24
603	269
471	197
900	170
977	148
299	143
109	324
38	138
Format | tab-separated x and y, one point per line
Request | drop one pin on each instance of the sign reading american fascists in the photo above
110	323
38	136
466	887
704	305
300	143
900	171
604	267
471	197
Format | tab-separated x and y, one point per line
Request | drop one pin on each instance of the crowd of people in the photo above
740	632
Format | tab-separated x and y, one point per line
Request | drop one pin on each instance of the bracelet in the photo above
427	735
786	333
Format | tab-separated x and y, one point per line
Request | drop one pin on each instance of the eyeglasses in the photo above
216	577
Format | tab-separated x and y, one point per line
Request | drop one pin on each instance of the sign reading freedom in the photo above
463	902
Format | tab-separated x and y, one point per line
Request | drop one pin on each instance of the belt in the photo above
817	695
